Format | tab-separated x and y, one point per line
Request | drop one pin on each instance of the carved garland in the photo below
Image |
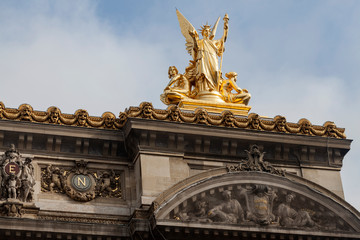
173	113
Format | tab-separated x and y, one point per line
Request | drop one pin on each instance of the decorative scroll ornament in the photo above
255	162
173	113
202	83
81	183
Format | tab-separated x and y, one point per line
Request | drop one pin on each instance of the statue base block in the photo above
215	107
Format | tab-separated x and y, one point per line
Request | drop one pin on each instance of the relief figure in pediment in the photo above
229	211
289	217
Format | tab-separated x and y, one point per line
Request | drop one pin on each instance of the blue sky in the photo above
297	58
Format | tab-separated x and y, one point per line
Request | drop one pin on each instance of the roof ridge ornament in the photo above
255	162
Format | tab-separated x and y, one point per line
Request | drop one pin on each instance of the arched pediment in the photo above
253	200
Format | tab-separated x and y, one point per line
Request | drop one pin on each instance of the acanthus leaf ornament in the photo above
255	162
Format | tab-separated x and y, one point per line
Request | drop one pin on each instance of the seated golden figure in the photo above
226	90
177	89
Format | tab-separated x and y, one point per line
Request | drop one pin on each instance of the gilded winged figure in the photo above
202	79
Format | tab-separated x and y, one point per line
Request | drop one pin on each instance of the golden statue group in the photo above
202	84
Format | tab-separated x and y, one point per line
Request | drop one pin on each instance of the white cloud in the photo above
61	53
75	61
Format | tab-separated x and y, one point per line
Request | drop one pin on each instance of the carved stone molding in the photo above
228	119
16	208
53	115
80	183
173	113
81	219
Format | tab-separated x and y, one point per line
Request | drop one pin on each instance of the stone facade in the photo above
149	177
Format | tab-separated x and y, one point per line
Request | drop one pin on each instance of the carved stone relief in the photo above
80	183
258	205
16	184
255	162
16	176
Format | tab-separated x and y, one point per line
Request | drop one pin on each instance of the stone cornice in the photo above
200	116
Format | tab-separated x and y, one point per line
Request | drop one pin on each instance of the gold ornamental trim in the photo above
173	113
237	109
53	115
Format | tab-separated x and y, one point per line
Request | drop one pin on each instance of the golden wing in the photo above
213	31
185	27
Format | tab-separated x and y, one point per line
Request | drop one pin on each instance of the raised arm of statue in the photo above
226	27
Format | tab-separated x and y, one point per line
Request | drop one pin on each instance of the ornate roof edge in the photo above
108	120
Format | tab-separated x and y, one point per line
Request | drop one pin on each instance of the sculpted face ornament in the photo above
174	114
280	123
82	116
330	129
25	112
201	116
254	121
147	110
54	114
229	119
305	126
109	119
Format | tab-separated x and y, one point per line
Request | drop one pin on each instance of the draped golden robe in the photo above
207	66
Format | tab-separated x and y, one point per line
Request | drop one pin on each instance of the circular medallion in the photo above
81	182
12	168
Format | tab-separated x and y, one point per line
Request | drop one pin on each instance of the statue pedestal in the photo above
214	107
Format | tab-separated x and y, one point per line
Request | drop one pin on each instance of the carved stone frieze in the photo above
80	183
80	219
173	113
258	205
16	176
255	162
